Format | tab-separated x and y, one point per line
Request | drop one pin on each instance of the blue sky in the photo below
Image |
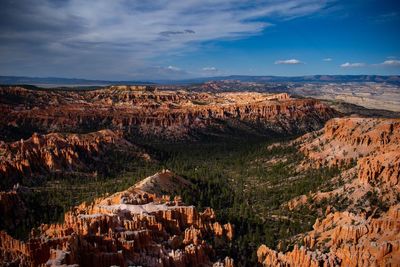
128	39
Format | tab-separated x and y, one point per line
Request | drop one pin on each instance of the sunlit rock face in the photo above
133	227
365	233
351	240
345	139
148	112
372	145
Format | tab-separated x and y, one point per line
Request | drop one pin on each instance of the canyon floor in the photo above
233	179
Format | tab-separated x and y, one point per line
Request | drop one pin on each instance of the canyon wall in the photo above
152	113
365	231
346	139
344	239
55	152
370	147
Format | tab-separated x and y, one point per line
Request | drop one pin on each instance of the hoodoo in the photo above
365	231
165	114
132	227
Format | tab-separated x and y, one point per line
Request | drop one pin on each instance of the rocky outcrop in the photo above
296	257
152	113
381	170
42	154
347	139
363	233
164	182
372	145
133	227
344	239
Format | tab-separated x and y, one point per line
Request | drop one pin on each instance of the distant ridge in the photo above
55	81
13	80
394	79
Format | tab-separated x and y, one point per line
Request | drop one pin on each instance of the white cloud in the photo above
352	65
173	68
327	59
86	37
209	69
391	63
387	17
289	61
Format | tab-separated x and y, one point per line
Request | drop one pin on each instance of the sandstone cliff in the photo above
344	239
152	113
346	139
55	152
133	227
365	232
373	148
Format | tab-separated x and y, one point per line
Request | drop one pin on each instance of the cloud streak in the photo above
386	63
209	69
352	65
390	63
115	39
173	68
288	62
171	33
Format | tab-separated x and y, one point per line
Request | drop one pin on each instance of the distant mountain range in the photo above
54	81
395	79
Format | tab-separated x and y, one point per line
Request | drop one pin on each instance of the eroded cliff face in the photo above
343	140
42	154
133	227
372	146
365	232
344	239
152	113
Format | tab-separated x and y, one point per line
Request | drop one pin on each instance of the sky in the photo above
179	39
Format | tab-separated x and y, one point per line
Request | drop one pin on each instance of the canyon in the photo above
158	134
315	186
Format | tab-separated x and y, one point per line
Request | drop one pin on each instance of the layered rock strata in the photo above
344	239
366	231
371	147
152	113
347	139
42	154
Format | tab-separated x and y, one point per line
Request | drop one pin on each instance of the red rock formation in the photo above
373	144
41	154
132	227
164	182
168	114
363	235
346	139
352	240
296	257
381	170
